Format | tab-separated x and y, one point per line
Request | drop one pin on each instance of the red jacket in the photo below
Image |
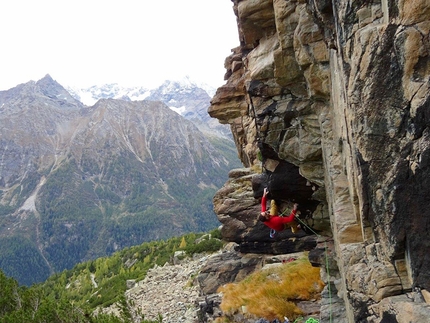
277	222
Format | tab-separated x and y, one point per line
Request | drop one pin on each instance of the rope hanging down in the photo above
326	264
254	116
257	128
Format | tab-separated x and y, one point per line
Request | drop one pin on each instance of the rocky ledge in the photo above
185	291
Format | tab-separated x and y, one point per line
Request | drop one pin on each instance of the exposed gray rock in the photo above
187	291
335	95
87	181
225	268
169	291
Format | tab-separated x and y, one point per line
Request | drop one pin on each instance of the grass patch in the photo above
273	293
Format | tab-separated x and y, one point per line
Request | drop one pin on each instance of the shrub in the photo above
273	293
210	245
216	234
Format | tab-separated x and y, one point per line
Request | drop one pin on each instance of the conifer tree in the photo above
183	243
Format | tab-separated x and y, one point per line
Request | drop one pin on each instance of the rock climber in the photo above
275	222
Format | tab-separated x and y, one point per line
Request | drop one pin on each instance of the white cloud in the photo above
131	42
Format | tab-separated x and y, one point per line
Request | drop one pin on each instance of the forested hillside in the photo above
73	295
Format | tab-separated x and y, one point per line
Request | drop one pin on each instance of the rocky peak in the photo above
332	96
42	89
50	88
126	162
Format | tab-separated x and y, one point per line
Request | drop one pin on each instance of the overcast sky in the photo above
131	42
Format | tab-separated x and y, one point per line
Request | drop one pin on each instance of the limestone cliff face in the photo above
333	99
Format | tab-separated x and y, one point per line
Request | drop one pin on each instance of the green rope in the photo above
328	274
327	269
311	320
310	229
282	214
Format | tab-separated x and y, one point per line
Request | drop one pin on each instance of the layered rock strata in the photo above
329	102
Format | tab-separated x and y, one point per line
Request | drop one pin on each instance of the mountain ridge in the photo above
185	97
80	182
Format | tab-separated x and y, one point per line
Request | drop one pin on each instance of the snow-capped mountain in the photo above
89	96
183	96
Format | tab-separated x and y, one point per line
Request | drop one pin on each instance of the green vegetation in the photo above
5	209
18	255
101	282
273	293
73	295
85	214
21	304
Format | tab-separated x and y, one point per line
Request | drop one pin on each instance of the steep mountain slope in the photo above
79	182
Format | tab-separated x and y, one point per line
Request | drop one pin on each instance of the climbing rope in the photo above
254	116
282	214
273	232
309	320
257	131
327	268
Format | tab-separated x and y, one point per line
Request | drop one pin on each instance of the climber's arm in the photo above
264	200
